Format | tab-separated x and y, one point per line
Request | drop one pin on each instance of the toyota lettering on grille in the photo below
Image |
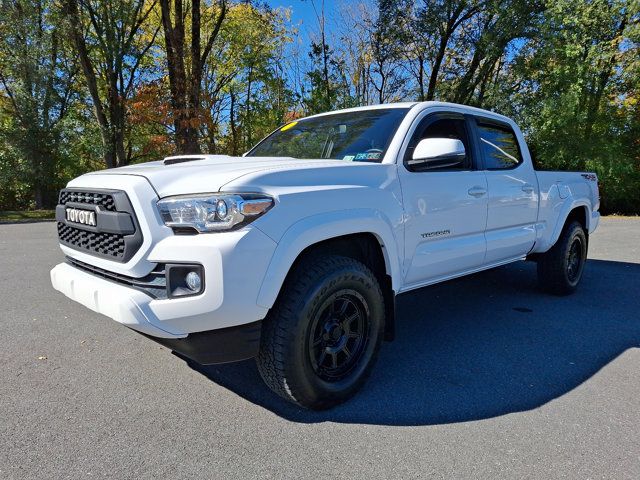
84	217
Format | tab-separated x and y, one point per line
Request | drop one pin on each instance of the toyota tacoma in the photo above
295	252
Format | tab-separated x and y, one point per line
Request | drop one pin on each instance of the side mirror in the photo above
433	153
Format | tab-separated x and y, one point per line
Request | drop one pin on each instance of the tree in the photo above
245	73
487	43
215	76
320	53
575	89
442	19
385	38
36	88
186	84
107	38
354	40
328	86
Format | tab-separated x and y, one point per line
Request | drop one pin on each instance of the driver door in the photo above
445	208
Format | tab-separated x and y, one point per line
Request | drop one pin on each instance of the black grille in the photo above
115	235
154	284
105	200
110	244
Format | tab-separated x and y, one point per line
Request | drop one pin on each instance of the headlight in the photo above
213	212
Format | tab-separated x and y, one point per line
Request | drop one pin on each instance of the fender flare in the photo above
568	206
324	226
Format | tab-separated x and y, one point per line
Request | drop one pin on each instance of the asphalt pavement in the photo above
488	378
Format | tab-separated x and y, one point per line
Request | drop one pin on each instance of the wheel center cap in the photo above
333	331
336	333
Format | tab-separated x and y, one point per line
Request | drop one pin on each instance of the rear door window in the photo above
499	147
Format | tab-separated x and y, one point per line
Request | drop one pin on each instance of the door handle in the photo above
477	191
527	188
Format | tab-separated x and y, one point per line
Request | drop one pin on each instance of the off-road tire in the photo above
287	360
558	272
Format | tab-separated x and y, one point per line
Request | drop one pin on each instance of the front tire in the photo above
320	340
560	269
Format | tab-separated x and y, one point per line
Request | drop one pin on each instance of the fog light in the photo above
184	280
194	282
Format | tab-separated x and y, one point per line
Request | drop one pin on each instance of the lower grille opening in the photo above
154	284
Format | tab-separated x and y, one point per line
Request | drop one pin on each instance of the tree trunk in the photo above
174	38
91	81
186	87
247	120
421	77
232	125
594	100
435	69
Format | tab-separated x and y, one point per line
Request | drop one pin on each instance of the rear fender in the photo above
567	207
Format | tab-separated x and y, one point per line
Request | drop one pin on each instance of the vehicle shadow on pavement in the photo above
479	347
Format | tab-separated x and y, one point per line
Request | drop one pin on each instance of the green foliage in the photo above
330	91
35	84
247	95
567	70
112	45
575	93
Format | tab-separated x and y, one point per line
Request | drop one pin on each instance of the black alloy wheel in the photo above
340	333
575	260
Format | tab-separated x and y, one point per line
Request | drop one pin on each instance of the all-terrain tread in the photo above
278	327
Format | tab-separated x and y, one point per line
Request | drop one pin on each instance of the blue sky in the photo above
302	11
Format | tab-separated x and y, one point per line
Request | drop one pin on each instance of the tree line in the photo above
89	84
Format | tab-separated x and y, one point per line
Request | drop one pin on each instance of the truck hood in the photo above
210	173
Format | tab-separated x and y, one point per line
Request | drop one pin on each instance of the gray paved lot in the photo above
488	378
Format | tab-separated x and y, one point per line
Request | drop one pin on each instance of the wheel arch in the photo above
361	234
576	210
581	215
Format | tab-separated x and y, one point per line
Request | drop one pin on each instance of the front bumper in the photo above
224	345
234	264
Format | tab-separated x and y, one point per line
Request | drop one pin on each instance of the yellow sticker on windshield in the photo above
288	126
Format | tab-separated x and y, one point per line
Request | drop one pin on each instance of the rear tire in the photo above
560	269
320	340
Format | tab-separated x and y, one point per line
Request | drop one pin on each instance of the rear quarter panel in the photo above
560	193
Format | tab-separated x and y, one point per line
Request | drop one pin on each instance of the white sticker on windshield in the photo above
368	156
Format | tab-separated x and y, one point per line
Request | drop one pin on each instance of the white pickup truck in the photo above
295	252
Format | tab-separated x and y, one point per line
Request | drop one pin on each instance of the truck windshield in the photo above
361	136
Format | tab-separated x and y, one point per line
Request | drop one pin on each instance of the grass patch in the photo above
26	215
